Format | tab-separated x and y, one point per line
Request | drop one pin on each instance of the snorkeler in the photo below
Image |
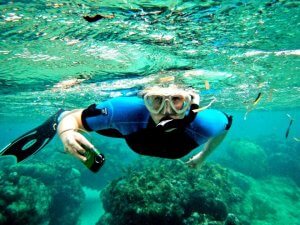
164	123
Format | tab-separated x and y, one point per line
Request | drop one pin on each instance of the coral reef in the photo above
246	157
267	156
283	157
35	193
283	164
171	193
164	192
117	159
274	200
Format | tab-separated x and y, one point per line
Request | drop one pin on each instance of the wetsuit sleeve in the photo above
124	114
97	117
209	123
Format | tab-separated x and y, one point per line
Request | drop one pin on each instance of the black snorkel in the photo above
167	123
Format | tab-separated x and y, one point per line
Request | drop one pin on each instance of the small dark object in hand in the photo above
94	159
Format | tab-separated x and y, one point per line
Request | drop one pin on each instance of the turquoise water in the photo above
50	58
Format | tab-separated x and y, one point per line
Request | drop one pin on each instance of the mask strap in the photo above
204	107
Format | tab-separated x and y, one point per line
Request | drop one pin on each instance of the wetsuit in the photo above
128	118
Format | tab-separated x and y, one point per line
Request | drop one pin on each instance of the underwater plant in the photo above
39	193
164	192
117	158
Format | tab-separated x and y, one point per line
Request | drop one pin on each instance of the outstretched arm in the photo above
197	160
68	131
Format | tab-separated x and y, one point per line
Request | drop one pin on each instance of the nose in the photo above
167	108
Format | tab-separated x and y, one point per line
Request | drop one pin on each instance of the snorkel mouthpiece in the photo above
164	122
167	123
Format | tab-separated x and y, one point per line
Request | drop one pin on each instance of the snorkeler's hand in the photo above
75	144
195	161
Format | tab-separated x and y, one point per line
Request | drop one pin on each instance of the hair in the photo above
165	82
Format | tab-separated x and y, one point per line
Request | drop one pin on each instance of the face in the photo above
166	102
167	112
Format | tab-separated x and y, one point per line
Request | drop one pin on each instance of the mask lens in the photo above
154	102
180	103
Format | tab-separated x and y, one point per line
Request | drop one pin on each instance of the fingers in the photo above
72	147
194	162
75	144
194	165
74	152
191	164
83	141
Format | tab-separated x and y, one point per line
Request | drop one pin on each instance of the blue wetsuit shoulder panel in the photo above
125	114
208	123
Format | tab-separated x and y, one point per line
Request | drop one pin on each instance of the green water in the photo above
51	58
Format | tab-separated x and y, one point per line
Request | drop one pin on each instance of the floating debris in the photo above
261	85
207	74
12	17
270	96
57	5
97	17
163	38
276	53
207	86
72	42
66	84
289	127
166	79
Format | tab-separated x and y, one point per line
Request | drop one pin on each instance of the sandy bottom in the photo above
92	207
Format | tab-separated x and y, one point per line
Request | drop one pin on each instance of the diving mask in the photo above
155	102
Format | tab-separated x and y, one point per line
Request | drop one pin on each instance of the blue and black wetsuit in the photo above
128	118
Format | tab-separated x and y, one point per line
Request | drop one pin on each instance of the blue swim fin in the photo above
34	140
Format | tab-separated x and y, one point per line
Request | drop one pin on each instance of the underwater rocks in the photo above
283	164
117	159
246	157
171	193
34	193
263	158
283	158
